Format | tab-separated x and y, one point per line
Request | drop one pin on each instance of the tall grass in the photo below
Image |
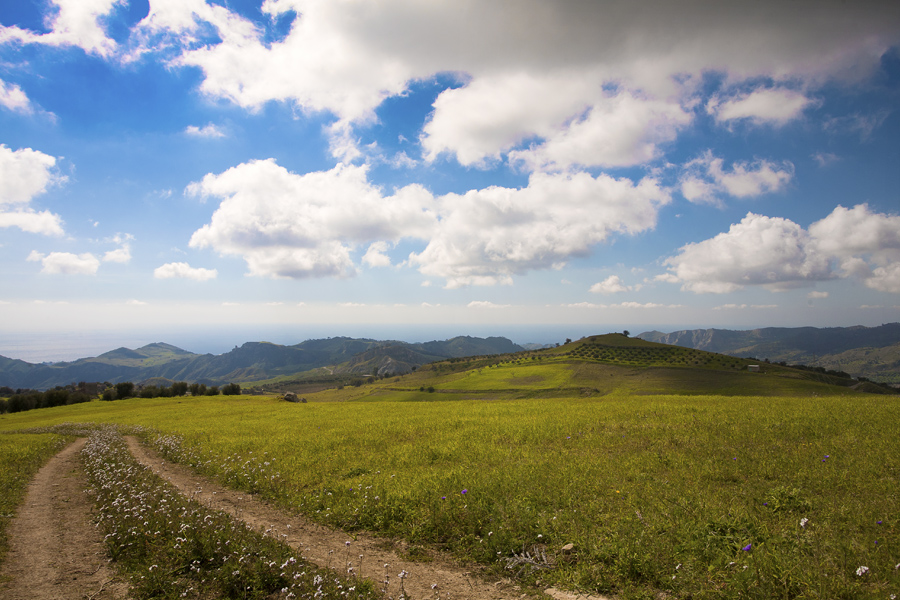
701	497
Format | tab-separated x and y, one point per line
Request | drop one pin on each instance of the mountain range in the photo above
253	361
872	352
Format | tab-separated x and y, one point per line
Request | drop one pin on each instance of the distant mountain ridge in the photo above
872	352
251	361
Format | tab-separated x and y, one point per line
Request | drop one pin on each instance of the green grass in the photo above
21	456
645	487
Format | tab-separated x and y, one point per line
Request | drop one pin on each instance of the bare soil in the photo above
55	551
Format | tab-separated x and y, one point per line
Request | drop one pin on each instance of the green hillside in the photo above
599	365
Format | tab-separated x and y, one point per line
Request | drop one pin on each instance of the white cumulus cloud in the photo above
182	270
619	131
375	256
764	105
25	174
759	250
486	236
289	225
705	178
778	253
207	131
66	263
13	98
611	285
75	23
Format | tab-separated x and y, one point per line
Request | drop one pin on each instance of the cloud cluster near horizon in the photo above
778	254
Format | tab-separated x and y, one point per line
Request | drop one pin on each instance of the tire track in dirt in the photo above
332	548
55	551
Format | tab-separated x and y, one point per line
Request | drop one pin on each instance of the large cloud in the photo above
24	174
778	253
486	236
531	68
289	225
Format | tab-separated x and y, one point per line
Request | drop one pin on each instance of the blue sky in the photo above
447	164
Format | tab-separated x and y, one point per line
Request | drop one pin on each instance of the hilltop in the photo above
871	352
600	365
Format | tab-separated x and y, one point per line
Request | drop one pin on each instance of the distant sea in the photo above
67	346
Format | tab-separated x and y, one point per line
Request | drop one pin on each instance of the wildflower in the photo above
464	491
862	571
747	548
878	522
803	522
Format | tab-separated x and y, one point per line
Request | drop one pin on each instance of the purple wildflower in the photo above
464	492
747	548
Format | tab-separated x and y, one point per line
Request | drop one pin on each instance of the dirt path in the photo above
329	548
55	551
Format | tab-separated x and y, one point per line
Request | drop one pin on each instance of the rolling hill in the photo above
252	361
600	365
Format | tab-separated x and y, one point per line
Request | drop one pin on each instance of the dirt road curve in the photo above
55	551
327	547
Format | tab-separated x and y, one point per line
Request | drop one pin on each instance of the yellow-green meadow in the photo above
696	496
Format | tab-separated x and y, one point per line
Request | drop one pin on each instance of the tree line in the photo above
20	400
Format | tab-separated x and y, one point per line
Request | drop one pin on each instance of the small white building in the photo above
753	368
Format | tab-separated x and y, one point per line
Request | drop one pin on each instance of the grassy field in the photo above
21	456
659	469
697	496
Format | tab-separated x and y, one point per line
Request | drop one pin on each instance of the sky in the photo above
449	165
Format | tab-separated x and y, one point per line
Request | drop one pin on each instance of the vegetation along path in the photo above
55	551
372	558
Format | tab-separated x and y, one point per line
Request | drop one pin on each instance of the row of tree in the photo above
30	399
23	399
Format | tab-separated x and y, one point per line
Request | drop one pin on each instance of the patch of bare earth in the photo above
329	548
55	551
